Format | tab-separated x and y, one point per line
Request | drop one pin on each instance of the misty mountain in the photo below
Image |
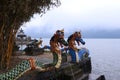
85	34
101	34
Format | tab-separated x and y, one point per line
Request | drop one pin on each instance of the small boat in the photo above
32	50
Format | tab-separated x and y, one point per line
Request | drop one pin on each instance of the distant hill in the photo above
85	34
101	34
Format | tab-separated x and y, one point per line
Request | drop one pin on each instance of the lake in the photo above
105	56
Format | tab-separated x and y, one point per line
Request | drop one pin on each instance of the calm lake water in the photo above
105	57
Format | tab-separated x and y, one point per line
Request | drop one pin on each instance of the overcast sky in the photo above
75	15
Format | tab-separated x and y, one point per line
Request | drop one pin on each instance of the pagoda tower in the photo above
21	38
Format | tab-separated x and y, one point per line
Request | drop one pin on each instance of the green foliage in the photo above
23	10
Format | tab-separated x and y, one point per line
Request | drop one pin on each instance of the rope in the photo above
72	71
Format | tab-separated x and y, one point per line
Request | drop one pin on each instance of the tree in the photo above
13	13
